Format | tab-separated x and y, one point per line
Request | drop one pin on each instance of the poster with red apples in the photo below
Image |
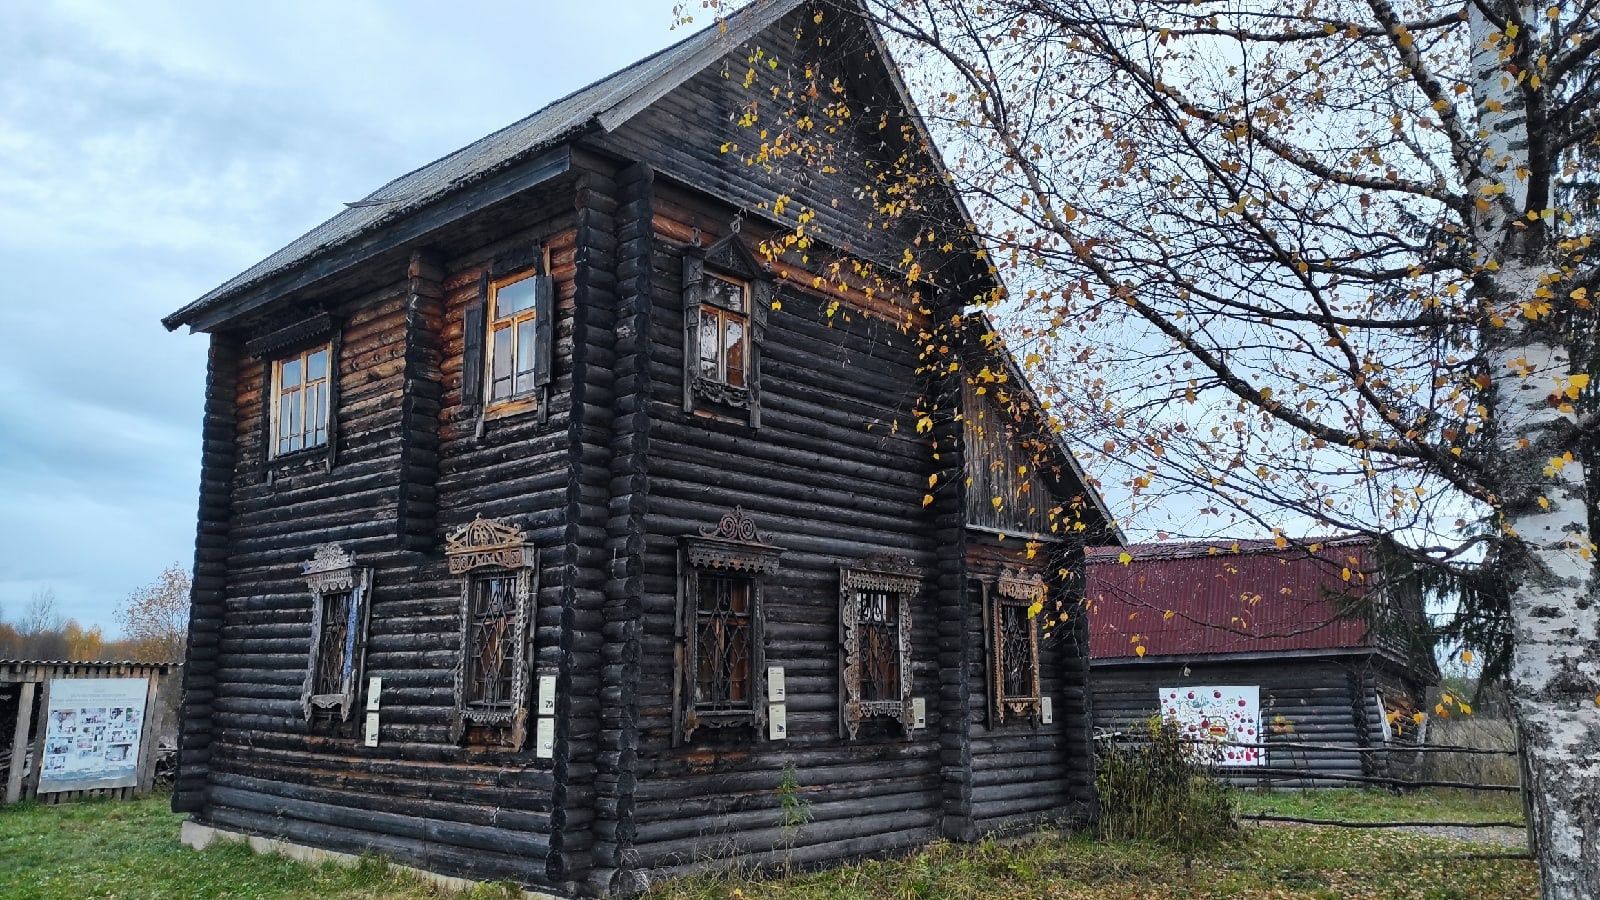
1217	719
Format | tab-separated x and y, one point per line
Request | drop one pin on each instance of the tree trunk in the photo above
1555	616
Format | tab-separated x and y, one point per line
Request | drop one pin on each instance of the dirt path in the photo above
1500	838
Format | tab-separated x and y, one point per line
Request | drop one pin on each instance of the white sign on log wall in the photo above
92	733
1221	715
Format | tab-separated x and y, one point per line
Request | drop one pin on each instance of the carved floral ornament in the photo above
878	574
734	544
1017	586
487	542
331	568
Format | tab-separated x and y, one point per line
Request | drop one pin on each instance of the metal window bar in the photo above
1016	651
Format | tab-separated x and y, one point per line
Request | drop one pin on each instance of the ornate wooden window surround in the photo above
1014	645
339	595
720	654
499	581
726	295
508	335
875	600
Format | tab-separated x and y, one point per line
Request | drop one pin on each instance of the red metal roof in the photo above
1226	597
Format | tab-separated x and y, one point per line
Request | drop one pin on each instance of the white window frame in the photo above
275	411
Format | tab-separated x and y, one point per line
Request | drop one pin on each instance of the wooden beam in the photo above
19	741
38	743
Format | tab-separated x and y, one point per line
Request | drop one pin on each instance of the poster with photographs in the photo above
1223	716
91	737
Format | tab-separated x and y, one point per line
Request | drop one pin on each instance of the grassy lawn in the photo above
1431	805
130	850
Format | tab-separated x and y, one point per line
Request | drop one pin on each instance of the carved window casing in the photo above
726	295
1014	645
875	642
721	662
339	594
499	581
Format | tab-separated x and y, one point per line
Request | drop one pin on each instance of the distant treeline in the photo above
153	618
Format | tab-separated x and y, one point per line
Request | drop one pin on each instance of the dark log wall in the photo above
1306	700
712	105
1025	772
829	478
412	463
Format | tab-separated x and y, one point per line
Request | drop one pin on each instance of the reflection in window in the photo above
300	395
724	327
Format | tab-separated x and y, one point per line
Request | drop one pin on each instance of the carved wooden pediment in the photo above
487	542
331	568
735	544
1020	586
731	255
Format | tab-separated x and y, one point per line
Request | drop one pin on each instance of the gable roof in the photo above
606	104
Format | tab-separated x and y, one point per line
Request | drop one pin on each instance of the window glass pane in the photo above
728	294
317	365
526	343
284	405
1016	651
735	351
334	644
710	346
722	644
510	299
500	372
292	424
879	631
289	373
491	654
316	414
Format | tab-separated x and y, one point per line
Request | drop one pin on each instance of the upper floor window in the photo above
726	295
513	338
508	334
724	331
301	386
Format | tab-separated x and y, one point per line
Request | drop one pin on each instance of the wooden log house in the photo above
550	532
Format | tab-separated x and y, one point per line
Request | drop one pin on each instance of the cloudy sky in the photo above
151	150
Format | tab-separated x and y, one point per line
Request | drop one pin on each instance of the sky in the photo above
148	152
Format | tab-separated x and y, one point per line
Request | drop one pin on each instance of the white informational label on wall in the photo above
776	692
1047	710
544	738
92	733
547	695
372	729
919	712
374	691
777	722
1217	720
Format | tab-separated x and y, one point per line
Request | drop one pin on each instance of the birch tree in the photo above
1299	264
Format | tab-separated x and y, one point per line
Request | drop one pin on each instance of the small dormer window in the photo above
300	394
725	332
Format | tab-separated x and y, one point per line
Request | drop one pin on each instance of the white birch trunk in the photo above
1555	616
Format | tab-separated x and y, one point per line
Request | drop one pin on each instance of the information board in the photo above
1217	719
92	733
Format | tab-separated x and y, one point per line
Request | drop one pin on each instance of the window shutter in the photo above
693	276
761	292
472	334
544	306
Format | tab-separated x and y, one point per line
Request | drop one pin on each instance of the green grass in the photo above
130	850
1431	805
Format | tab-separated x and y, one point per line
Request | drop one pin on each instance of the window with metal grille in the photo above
1019	667
1014	644
880	646
491	647
875	642
722	643
300	395
335	644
